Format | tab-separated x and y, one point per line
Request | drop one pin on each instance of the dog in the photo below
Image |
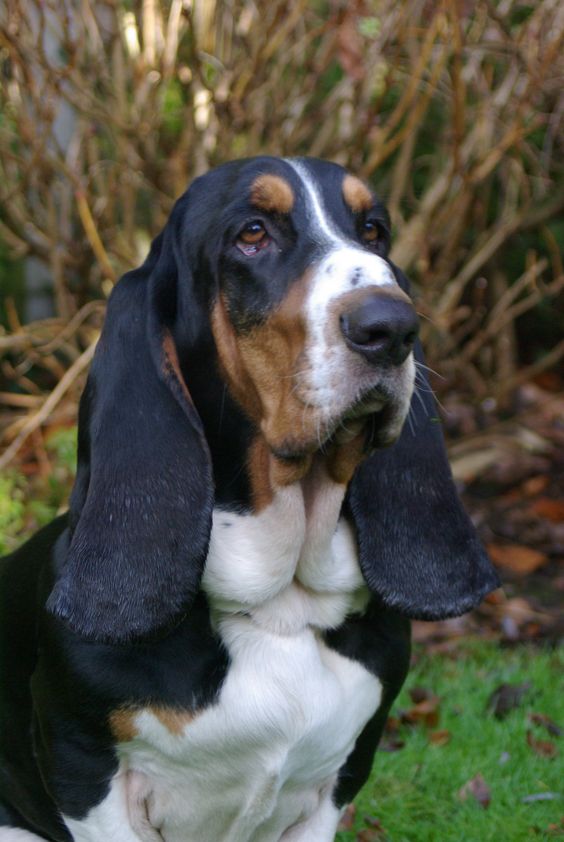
206	647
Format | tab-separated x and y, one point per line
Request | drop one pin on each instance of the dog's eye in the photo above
374	235
252	233
252	238
370	231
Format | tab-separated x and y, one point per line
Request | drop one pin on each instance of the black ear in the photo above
418	548
141	507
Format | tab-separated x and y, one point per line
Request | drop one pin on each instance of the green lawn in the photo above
413	791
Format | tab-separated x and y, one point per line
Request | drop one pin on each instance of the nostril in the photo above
375	336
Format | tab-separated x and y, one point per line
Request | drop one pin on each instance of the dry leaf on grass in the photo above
546	722
374	833
440	737
506	698
423	713
544	748
477	789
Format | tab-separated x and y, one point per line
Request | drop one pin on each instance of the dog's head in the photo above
266	326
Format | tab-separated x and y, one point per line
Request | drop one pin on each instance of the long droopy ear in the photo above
141	507
418	548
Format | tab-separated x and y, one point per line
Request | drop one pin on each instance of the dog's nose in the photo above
383	329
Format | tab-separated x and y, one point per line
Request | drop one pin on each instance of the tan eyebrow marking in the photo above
356	194
272	193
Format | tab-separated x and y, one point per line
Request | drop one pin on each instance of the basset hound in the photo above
206	647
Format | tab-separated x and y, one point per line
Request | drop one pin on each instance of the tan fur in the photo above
174	721
272	193
344	459
356	194
122	725
124	729
171	364
260	367
258	465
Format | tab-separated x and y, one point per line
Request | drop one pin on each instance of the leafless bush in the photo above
453	110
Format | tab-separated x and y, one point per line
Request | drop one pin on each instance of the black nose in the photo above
383	329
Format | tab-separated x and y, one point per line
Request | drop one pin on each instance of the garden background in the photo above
454	112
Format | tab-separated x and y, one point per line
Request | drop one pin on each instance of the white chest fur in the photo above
265	756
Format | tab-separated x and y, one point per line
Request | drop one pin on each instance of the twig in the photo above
551	359
38	418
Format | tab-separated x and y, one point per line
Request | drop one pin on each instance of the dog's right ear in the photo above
142	502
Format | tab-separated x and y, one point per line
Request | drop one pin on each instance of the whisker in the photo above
421	400
428	368
421	384
426	317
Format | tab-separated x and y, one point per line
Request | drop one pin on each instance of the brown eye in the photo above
370	231
253	233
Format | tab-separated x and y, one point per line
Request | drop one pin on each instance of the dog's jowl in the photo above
206	647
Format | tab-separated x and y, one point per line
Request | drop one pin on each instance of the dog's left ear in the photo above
419	551
140	514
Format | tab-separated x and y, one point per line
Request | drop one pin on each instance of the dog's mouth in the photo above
376	415
371	402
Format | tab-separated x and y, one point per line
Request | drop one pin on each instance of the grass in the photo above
413	792
29	502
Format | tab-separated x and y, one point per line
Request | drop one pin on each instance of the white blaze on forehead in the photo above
343	267
315	209
346	264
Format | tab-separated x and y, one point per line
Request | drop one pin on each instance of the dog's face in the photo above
313	332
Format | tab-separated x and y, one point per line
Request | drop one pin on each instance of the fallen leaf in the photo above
420	694
544	748
496	597
519	609
478	789
546	722
550	509
440	738
374	822
534	485
425	713
391	744
556	828
392	725
370	835
516	558
506	698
